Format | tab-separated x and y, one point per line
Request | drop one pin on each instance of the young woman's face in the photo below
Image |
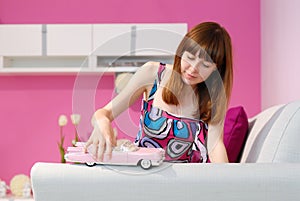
195	70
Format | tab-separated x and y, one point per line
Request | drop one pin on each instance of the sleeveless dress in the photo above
184	139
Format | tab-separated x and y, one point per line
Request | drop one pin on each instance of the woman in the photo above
184	104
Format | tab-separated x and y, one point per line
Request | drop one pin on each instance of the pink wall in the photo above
280	52
30	105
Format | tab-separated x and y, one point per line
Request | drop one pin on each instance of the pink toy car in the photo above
125	153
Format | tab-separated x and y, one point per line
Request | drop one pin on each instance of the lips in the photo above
190	76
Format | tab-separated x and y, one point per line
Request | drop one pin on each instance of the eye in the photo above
206	64
189	56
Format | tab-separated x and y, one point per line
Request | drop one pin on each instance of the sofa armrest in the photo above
250	181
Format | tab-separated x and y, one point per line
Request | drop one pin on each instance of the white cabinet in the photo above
20	40
71	40
127	46
137	39
158	39
73	48
111	39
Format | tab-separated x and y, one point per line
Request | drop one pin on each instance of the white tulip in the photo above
75	118
17	184
121	81
62	120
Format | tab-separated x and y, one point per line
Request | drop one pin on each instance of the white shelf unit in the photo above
85	48
19	40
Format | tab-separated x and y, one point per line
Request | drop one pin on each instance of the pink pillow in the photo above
235	132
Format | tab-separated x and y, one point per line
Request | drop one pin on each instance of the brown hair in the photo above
214	43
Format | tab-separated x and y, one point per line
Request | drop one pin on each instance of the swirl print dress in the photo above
184	139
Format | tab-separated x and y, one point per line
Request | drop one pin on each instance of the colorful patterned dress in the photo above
184	139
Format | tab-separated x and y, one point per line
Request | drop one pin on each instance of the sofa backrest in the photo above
274	135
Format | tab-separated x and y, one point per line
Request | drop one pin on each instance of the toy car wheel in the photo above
145	164
90	164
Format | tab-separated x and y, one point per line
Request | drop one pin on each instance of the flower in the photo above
75	118
121	81
62	120
18	183
3	189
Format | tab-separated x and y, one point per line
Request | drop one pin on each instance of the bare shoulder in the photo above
150	67
148	71
169	66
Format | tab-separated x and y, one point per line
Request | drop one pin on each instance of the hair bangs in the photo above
205	48
214	47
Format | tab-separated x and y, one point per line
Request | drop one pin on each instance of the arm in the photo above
215	145
103	136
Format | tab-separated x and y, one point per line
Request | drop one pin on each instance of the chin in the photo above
188	82
191	83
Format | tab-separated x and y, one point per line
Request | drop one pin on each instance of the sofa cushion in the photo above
280	137
259	128
235	131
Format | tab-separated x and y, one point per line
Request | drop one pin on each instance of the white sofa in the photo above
269	170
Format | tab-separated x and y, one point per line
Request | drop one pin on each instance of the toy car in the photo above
125	153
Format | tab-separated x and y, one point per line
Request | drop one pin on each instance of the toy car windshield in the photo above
125	146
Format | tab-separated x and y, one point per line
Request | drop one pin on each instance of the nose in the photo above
195	65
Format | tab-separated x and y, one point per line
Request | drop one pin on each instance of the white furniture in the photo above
73	48
269	170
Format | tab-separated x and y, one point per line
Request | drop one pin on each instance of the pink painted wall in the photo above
30	105
280	52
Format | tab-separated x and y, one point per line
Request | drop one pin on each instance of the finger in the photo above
101	149
94	149
115	131
113	141
112	137
109	149
87	144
